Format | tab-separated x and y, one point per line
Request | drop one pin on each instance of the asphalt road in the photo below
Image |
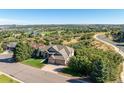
118	45
29	74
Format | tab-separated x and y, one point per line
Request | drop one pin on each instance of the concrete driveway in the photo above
52	68
29	74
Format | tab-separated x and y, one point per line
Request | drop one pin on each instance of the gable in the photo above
51	49
60	50
64	54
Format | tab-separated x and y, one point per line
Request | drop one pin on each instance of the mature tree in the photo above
22	51
36	53
117	36
1	49
99	71
80	64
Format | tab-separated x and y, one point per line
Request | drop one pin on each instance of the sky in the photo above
61	16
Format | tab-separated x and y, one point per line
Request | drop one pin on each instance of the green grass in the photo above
5	79
48	32
34	62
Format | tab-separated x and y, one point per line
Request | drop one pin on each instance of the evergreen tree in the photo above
99	71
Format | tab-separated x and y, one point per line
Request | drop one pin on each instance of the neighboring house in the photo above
11	46
57	54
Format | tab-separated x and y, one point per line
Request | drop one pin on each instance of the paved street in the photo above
29	74
118	45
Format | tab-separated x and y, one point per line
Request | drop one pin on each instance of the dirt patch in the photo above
72	41
100	45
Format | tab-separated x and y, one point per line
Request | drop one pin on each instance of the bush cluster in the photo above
101	66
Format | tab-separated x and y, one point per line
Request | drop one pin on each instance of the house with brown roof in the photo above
57	54
11	46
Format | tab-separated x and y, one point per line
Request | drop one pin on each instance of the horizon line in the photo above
70	24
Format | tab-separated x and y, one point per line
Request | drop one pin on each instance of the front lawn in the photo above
5	79
34	62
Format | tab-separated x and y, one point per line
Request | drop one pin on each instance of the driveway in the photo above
29	74
52	68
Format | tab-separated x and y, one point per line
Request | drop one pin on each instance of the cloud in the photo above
4	21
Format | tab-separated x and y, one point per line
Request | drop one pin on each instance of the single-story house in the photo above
57	54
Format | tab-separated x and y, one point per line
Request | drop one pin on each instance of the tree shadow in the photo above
119	44
80	80
58	69
7	60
